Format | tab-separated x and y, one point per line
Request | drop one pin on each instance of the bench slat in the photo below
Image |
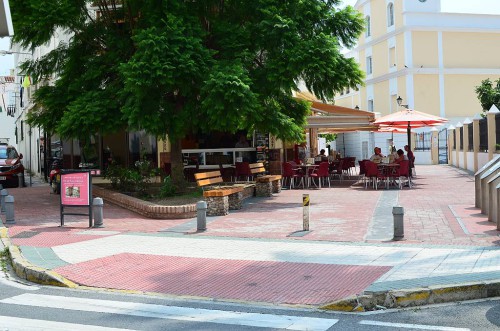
258	170
222	192
205	175
204	182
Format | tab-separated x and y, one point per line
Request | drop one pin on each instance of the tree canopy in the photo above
172	67
488	94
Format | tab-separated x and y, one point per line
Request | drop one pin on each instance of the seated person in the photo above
321	156
401	156
377	156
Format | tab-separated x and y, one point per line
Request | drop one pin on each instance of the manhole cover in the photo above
26	234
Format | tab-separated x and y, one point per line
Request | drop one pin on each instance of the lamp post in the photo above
399	100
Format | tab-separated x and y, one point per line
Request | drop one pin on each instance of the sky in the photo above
457	6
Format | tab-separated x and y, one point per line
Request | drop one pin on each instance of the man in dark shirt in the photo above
411	158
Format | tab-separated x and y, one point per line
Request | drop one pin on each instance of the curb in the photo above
416	297
25	270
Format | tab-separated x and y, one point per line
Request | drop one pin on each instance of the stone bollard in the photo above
201	218
97	209
305	212
9	210
398	215
3	194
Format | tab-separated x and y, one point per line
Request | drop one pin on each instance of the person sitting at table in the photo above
411	158
321	156
401	156
377	156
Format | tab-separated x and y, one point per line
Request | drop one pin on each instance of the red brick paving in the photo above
264	281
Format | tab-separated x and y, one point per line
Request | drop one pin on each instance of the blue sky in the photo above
459	6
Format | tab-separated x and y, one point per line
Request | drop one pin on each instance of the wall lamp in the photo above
357	107
400	101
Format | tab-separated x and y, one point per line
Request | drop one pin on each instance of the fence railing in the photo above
483	134
470	148
423	141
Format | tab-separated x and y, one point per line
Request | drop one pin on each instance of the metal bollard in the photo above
398	216
9	210
305	212
97	208
201	217
3	194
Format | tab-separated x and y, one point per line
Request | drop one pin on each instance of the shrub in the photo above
167	188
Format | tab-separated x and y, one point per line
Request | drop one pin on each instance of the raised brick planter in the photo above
145	208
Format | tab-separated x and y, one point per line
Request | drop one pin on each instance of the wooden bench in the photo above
265	185
220	198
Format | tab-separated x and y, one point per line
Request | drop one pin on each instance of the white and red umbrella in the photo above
408	119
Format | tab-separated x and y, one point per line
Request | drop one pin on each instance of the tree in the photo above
488	95
175	67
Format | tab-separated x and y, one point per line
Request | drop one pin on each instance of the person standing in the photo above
411	158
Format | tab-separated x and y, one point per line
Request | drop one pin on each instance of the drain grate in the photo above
26	234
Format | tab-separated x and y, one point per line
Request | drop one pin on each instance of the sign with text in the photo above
75	189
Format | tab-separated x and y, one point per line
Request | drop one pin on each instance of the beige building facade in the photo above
432	59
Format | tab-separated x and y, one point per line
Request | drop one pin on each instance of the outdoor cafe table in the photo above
307	169
386	169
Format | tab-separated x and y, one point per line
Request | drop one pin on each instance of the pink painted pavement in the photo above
259	281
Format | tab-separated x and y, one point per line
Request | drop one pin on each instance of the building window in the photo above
22	130
392	57
348	90
369	65
390	14
370	105
368	31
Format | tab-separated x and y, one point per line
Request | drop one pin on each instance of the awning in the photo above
331	118
6	28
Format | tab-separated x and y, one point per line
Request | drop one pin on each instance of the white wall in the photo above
470	161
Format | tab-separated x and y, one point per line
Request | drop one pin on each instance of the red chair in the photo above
242	169
404	171
372	174
290	173
321	173
338	169
226	173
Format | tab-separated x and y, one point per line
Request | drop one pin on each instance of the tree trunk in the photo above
177	164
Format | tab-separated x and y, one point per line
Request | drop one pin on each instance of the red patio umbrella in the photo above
409	118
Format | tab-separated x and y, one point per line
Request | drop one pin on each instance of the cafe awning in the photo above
331	118
6	28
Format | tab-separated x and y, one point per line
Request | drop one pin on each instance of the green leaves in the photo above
488	94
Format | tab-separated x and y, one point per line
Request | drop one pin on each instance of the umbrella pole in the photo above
408	132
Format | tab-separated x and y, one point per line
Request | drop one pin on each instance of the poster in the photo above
75	189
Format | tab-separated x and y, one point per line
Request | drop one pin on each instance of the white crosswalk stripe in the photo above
25	324
171	312
413	326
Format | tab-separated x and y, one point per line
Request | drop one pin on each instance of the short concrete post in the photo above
9	210
3	194
97	209
398	216
201	217
305	213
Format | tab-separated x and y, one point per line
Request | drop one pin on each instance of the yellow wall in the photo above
425	49
461	100
380	59
427	93
398	14
379	18
381	100
400	51
469	49
346	101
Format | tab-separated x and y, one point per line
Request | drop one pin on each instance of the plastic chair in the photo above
404	172
242	169
372	174
321	173
227	173
291	174
338	170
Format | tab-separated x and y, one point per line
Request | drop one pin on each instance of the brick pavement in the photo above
439	210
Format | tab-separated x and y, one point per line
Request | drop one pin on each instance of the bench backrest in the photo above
257	168
208	178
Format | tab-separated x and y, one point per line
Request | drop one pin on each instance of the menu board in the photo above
262	146
75	189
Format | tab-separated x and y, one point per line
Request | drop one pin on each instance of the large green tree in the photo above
488	94
174	67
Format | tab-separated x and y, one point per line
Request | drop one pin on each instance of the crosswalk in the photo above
186	314
285	322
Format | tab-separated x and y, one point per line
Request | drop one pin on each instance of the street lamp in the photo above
400	101
357	107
